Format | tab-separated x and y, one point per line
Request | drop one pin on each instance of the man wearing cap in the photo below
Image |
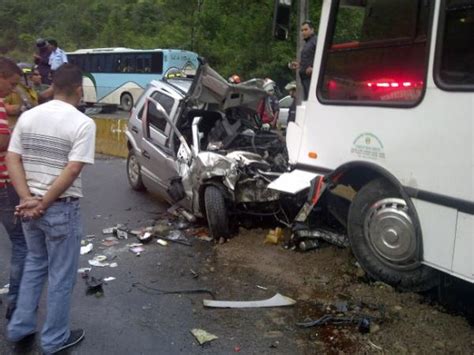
10	75
57	56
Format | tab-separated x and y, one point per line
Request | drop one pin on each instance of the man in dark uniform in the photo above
305	67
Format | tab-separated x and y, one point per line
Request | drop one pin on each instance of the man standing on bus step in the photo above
57	56
10	75
49	147
305	66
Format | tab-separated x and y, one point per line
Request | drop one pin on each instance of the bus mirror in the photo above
281	19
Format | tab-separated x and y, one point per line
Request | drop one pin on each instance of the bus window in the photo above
157	63
377	53
455	58
98	63
128	63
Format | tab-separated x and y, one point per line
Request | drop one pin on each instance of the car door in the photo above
159	165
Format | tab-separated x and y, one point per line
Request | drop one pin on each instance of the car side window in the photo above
155	118
166	101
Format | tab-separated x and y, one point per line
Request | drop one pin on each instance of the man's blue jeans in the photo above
8	200
54	243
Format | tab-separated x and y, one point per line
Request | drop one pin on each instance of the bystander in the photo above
10	75
49	147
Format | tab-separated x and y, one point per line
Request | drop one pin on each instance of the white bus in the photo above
119	75
390	122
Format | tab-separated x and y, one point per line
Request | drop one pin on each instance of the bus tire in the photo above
134	173
385	240
216	212
126	102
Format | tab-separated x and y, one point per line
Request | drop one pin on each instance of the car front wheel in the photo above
216	212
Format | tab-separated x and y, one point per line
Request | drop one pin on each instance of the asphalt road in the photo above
126	320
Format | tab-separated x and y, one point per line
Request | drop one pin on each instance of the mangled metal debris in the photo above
276	301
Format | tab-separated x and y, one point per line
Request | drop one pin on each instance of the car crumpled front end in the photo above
230	150
244	175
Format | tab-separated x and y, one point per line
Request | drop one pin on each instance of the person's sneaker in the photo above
74	338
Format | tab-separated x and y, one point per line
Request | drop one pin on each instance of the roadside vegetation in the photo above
235	36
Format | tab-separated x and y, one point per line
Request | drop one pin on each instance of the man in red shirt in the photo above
10	75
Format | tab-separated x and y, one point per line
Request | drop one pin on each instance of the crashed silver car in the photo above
198	143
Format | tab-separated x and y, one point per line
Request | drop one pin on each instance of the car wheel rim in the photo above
390	232
133	169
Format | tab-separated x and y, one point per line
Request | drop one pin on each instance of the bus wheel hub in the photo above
390	232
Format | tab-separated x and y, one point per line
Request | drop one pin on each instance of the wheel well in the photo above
129	145
356	175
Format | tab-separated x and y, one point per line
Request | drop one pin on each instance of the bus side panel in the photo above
438	224
464	248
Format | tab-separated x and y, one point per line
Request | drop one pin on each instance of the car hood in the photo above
210	87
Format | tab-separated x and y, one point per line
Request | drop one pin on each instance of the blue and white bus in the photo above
119	75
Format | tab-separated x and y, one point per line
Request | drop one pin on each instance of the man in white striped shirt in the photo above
49	147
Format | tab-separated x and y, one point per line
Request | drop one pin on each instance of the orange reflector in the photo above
313	155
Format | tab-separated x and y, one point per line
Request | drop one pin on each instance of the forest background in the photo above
235	36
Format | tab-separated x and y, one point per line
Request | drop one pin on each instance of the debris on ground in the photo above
108	279
94	286
153	290
145	237
99	260
137	250
162	242
86	249
363	322
274	236
84	270
113	265
110	241
4	290
202	336
276	301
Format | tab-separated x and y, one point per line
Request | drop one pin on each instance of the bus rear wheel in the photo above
385	239
126	102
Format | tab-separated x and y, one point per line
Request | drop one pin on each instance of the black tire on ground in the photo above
385	240
134	173
216	212
126	102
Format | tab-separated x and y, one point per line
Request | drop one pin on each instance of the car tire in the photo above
126	102
216	212
134	173
385	238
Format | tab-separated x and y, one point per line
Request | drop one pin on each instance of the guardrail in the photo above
110	137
